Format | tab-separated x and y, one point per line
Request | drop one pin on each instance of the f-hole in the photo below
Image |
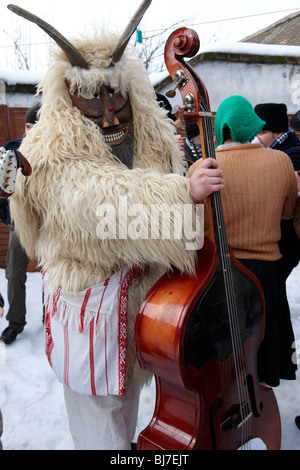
256	408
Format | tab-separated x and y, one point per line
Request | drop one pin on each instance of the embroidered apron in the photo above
86	335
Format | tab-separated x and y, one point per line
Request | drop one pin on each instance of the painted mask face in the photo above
110	111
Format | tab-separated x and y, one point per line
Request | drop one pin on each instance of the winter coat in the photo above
289	244
291	146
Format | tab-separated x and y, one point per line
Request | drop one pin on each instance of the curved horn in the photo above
131	27
73	55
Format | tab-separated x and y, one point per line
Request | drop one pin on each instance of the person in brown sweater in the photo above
260	189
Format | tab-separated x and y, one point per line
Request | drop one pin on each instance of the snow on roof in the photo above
253	48
27	77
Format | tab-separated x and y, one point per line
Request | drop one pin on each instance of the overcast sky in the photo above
216	20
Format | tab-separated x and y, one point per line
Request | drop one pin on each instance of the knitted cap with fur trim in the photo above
275	115
237	114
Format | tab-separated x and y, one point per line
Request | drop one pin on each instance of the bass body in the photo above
184	337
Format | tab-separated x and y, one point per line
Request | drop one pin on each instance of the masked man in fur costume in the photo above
102	146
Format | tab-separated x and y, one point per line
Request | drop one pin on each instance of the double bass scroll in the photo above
200	335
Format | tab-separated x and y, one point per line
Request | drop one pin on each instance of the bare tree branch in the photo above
152	50
23	61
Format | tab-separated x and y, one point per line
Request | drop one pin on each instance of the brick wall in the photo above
4	234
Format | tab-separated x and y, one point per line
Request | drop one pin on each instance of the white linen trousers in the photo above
86	343
103	423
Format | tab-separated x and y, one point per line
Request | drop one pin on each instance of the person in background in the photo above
277	135
16	258
192	143
295	124
164	103
295	121
253	210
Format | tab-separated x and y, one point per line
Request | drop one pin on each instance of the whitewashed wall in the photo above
14	77
19	100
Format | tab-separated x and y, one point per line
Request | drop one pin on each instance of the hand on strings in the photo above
205	178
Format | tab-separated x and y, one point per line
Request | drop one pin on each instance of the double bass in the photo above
200	335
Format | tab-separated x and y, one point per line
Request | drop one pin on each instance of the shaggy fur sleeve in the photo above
147	212
84	228
24	216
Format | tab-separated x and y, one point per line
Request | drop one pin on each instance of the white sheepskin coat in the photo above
74	172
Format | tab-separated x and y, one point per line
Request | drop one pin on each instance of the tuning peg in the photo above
181	79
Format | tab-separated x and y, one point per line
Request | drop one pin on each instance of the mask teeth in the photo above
113	137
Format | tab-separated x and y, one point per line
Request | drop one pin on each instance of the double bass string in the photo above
229	289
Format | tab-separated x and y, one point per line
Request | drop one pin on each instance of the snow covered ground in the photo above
31	399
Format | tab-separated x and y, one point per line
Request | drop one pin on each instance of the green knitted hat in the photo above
238	114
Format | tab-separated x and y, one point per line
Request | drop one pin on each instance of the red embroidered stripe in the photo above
105	287
106	364
66	355
55	301
83	308
92	363
122	334
48	336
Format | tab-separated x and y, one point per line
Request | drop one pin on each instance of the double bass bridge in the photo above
239	415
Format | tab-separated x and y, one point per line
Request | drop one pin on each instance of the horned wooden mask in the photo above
108	108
